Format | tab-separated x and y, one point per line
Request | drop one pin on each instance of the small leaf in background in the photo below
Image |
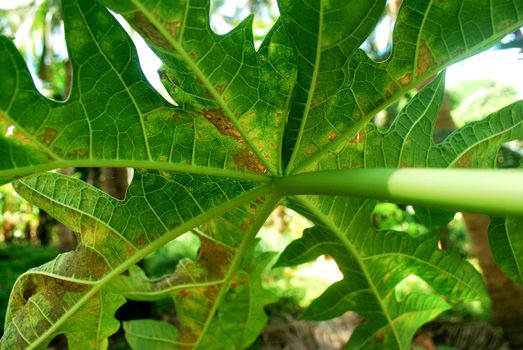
506	242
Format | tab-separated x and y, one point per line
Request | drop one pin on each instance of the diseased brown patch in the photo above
223	124
246	224
379	337
405	79
148	30
425	59
252	210
359	138
247	160
332	136
214	258
465	161
239	281
130	250
48	135
77	153
141	241
390	91
29	289
173	28
378	101
22	137
309	150
219	87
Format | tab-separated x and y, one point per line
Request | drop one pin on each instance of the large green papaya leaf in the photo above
428	36
70	292
245	93
343	225
325	34
373	263
112	117
301	102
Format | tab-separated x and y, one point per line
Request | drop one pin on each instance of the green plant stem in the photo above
144	164
486	191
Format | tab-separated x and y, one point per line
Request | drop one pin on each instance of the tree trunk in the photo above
506	295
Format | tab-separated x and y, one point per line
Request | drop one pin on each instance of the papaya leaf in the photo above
61	296
151	334
243	92
506	244
112	117
373	263
428	36
244	118
239	319
343	226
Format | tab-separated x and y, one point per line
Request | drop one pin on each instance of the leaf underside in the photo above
302	102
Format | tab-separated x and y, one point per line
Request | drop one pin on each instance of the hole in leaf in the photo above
58	343
391	216
164	260
134	310
378	45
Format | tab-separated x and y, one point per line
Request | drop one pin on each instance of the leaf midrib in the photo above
140	164
352	249
311	91
260	219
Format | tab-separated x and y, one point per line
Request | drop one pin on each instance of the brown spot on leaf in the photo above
466	160
332	135
359	138
29	289
223	124
141	241
77	153
247	160
379	337
425	59
22	137
219	87
238	281
246	224
48	135
130	250
214	258
405	79
148	30
173	28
